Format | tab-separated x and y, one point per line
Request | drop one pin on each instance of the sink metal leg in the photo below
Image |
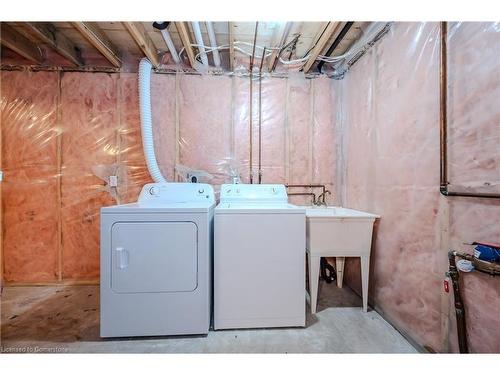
365	272
339	267
314	264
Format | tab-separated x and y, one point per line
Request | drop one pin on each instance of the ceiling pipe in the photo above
336	42
163	27
213	43
199	41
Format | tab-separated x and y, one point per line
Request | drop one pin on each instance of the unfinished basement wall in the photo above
65	133
391	167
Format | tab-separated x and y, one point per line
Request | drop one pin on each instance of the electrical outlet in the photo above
113	181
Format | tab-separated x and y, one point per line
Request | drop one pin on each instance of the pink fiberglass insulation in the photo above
131	155
384	147
372	138
474	162
204	122
90	124
392	169
300	104
473	220
52	198
324	131
273	131
474	117
29	155
241	130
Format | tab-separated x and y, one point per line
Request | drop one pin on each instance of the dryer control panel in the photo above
253	193
176	192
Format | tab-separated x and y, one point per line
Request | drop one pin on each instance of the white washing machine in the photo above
156	262
259	258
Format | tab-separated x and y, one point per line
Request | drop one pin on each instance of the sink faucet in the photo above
321	201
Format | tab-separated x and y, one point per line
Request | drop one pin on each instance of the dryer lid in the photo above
254	194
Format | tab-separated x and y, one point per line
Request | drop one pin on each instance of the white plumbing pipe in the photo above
170	45
213	43
146	124
199	41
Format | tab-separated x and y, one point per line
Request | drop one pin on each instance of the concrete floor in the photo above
65	319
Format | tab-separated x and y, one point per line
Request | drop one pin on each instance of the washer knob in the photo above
153	190
201	191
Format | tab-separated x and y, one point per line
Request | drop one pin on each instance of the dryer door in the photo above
150	257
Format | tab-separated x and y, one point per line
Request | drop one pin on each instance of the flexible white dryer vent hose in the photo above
146	124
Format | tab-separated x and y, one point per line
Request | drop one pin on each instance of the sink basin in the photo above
337	212
338	230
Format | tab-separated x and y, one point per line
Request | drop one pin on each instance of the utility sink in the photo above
338	232
338	229
337	212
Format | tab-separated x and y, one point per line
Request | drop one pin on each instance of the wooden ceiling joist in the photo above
49	34
183	31
100	41
20	44
331	29
137	31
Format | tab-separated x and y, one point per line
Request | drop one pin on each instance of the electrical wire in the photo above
236	48
354	49
372	31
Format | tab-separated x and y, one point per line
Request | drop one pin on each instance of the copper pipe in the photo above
490	268
443	124
251	100
260	115
459	305
310	186
253	48
443	93
306	186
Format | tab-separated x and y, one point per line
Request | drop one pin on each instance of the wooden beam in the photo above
331	29
100	41
49	34
183	31
231	46
136	29
279	38
17	42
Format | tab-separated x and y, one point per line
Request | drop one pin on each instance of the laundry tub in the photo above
338	232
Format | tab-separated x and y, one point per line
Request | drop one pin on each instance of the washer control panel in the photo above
176	192
275	193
